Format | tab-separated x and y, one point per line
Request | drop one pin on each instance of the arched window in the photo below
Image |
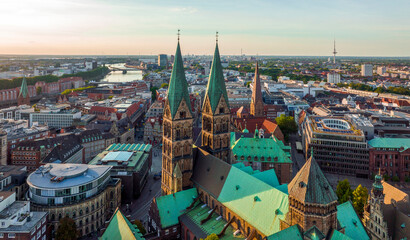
87	210
74	214
59	216
81	212
81	223
92	207
112	195
86	230
53	217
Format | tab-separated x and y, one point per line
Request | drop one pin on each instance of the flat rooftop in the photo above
65	175
12	209
333	125
28	226
117	156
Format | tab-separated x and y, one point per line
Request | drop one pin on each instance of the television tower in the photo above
334	52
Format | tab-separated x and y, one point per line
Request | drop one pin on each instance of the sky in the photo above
258	27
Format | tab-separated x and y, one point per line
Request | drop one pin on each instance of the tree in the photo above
154	93
164	85
248	83
39	90
140	226
213	236
360	195
67	230
287	125
343	191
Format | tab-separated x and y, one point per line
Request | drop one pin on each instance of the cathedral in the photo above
204	193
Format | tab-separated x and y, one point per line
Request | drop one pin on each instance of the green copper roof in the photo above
347	217
216	83
214	225
390	143
268	176
172	206
290	233
262	148
339	236
23	89
178	86
255	201
314	233
378	182
120	228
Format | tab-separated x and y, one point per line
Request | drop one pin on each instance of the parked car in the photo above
157	175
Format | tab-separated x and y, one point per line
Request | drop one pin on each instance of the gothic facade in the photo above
177	162
216	113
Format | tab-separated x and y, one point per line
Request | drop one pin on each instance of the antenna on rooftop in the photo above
334	51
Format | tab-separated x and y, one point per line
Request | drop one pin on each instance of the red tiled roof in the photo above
133	108
268	126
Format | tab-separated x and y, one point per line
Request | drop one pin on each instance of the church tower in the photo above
177	132
257	101
216	112
312	201
23	97
373	216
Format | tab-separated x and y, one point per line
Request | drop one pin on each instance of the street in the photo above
138	208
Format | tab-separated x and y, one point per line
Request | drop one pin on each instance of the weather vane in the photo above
216	36
178	34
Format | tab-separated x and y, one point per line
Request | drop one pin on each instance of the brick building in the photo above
391	156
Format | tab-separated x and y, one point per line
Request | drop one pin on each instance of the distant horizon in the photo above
260	27
208	55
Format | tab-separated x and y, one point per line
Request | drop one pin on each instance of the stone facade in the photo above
216	129
177	148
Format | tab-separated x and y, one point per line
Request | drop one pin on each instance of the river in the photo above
118	76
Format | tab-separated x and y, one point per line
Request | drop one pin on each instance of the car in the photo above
157	175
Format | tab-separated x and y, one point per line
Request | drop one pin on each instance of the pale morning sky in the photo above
264	27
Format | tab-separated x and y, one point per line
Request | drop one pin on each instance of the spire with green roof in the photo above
377	185
178	86
216	84
23	89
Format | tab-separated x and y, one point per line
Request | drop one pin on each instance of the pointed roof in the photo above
256	87
178	86
23	88
310	185
216	84
177	172
120	228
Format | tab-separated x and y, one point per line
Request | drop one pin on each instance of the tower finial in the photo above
178	34
216	36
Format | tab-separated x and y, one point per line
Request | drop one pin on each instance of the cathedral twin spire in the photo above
216	84
178	86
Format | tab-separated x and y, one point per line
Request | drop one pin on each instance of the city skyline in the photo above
365	28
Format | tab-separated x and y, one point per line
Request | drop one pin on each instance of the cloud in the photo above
189	10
